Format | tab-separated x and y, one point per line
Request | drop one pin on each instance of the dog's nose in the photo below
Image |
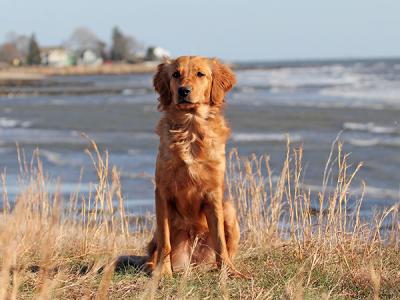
184	91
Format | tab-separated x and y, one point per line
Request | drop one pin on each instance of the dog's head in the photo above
189	82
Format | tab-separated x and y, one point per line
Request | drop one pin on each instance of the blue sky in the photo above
230	29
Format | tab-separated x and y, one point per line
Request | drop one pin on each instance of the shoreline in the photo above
30	73
31	77
34	73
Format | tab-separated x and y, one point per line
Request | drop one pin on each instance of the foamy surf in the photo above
369	142
368	191
60	159
388	95
265	137
332	75
13	123
371	127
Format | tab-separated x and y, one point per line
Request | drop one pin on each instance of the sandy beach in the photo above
30	73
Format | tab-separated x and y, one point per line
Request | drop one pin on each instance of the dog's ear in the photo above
223	79
161	85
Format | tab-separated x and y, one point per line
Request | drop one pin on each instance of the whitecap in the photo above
370	191
386	94
12	123
127	92
370	127
295	77
134	151
363	142
388	142
8	123
264	137
58	159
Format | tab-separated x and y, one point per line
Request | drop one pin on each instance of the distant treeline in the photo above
22	49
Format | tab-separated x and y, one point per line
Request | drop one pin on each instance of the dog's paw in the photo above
165	269
236	274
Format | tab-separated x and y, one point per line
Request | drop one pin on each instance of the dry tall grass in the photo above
296	244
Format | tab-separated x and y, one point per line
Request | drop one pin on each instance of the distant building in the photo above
157	53
56	57
89	58
61	57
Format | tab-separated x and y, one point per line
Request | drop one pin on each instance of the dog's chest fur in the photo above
192	151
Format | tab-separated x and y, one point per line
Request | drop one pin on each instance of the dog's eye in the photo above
200	74
176	74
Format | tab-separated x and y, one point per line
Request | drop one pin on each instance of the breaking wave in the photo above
265	137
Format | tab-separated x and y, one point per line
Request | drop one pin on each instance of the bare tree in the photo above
20	41
124	47
83	39
134	46
8	52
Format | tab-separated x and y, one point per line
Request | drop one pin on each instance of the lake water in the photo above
311	101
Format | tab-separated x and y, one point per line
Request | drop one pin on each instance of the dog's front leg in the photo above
214	212
163	236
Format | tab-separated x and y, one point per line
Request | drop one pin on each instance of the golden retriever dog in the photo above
194	223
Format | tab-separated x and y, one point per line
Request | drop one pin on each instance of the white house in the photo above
56	57
157	53
89	57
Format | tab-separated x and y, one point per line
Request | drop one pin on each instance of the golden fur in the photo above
190	168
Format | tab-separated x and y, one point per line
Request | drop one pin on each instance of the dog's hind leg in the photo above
151	255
